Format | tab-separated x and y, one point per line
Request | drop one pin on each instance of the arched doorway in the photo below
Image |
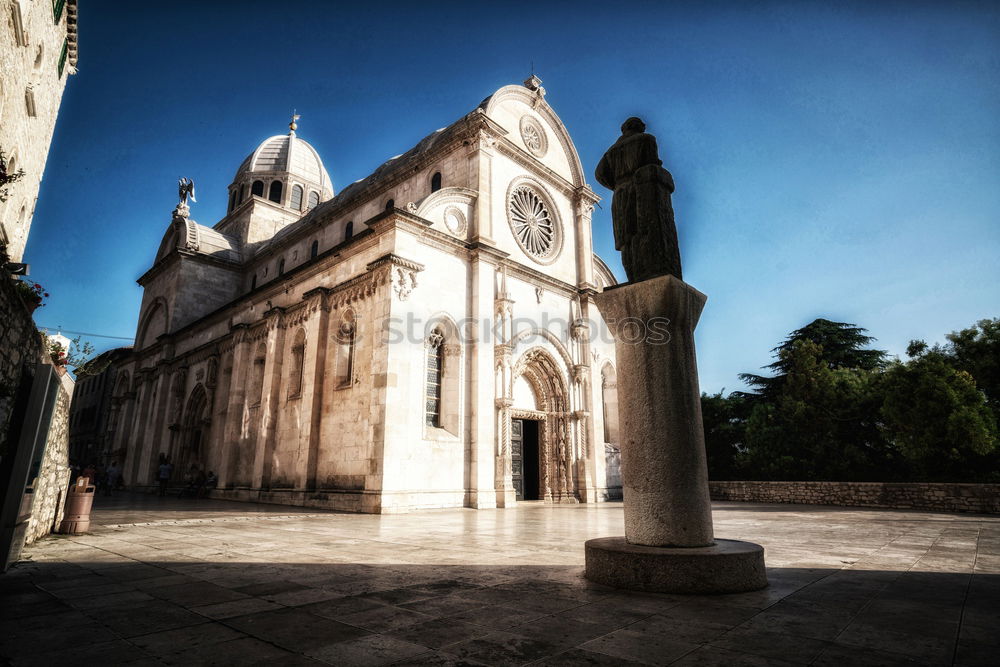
539	421
194	432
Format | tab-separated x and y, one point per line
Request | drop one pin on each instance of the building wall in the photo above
31	42
89	437
52	483
21	348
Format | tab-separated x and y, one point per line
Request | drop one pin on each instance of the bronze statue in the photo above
185	189
641	212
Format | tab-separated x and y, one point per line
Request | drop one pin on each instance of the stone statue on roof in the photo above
185	189
641	211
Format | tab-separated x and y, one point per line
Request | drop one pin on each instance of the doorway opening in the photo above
525	458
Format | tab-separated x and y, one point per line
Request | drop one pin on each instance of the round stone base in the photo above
728	566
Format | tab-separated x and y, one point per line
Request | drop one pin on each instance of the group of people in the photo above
107	479
197	483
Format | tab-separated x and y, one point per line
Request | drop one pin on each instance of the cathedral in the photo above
425	337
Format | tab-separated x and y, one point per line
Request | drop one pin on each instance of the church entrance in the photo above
524	458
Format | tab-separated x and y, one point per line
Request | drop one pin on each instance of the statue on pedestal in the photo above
642	214
669	544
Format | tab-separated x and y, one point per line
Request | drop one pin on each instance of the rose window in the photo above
533	224
533	136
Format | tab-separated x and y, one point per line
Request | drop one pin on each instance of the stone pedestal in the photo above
668	544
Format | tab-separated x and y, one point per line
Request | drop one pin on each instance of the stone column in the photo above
314	368
503	307
669	545
264	453
481	402
232	430
664	473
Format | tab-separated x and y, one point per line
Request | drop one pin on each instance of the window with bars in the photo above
432	397
296	198
313	199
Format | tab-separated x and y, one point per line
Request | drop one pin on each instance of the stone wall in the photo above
53	478
20	349
982	498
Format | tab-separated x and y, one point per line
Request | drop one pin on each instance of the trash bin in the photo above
76	517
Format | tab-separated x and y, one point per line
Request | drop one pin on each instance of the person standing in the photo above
114	474
163	474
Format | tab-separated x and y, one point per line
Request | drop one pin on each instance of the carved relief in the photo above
403	282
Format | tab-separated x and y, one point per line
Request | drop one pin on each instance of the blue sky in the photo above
836	160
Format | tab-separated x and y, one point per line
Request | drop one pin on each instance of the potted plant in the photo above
32	294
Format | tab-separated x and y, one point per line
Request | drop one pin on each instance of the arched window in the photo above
348	230
391	204
314	250
274	193
346	335
298	359
232	200
243	193
295	202
436	181
257	188
313	199
281	266
435	362
253	283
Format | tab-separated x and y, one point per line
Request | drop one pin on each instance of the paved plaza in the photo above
201	582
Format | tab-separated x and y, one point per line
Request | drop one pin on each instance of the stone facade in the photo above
37	54
52	481
981	498
373	351
89	438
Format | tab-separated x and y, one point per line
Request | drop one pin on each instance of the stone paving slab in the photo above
204	582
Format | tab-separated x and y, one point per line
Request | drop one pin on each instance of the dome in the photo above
286	153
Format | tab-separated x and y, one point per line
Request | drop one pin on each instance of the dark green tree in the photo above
725	421
976	350
820	423
937	418
842	345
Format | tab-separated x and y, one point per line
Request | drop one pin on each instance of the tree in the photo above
724	419
79	356
818	424
976	350
841	346
937	418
